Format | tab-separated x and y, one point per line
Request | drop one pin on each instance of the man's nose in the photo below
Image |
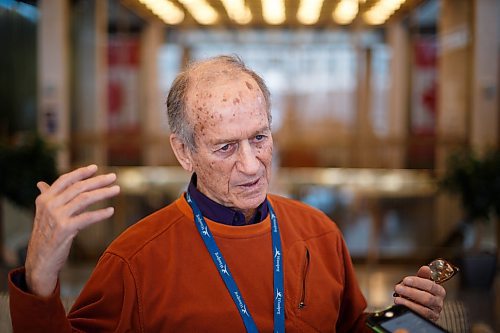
248	162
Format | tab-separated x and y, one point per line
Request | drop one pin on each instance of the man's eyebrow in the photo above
263	129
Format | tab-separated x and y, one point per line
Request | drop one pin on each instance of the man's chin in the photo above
250	201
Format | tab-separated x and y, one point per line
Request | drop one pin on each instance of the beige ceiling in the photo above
325	19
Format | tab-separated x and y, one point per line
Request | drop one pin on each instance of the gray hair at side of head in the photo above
176	101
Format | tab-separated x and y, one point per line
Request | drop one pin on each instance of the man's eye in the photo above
225	147
259	137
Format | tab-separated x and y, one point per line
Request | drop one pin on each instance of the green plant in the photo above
476	179
22	166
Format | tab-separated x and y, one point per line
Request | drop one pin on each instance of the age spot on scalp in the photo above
249	86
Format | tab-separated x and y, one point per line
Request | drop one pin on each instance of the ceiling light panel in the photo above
309	11
381	11
165	10
273	11
345	11
237	11
201	11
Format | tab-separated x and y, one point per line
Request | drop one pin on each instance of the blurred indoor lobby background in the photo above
370	100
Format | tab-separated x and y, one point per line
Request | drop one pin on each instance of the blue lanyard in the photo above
220	263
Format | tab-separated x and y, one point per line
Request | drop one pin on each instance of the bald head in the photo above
203	76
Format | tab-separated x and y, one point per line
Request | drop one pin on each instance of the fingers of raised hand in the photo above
87	218
63	182
82	189
42	186
57	209
68	218
84	199
72	177
60	215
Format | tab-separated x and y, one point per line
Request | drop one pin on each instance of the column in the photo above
363	140
53	77
485	117
89	121
154	120
485	36
452	128
89	105
398	40
468	114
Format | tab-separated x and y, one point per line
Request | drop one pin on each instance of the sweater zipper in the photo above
302	303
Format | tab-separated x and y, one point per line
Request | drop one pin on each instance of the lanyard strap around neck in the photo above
220	263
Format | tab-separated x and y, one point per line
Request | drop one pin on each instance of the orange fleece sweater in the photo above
158	277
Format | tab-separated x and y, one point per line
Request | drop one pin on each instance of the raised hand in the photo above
421	294
61	212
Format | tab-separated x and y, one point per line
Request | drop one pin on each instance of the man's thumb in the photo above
424	272
42	186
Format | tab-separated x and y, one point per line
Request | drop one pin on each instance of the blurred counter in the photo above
369	182
382	212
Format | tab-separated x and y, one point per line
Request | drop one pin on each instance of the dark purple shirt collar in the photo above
221	214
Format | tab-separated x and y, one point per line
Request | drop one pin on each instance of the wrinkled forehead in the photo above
210	76
218	86
216	72
215	88
230	101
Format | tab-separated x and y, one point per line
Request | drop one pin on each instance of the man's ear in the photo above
182	152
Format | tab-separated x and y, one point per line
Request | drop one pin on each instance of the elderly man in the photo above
224	257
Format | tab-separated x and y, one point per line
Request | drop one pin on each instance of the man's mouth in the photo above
251	183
